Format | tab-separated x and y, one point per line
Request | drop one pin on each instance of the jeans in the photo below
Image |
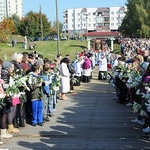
37	116
50	105
45	105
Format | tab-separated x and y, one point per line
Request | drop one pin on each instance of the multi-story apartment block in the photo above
82	20
10	7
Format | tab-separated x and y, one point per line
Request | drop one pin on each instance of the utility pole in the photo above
41	22
6	9
57	23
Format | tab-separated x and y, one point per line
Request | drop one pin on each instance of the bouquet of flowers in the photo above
15	85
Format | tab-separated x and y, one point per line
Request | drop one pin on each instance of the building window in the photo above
112	24
78	14
112	18
79	25
112	13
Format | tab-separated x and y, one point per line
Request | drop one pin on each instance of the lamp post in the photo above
57	24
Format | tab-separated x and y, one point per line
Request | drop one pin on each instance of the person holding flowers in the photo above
46	90
4	106
34	83
19	100
8	111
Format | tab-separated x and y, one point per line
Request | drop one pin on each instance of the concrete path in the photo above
89	120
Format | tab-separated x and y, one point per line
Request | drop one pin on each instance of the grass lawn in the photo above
49	48
46	48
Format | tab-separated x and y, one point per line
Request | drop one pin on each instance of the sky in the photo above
49	6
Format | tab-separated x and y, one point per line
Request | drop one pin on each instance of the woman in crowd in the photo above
9	109
5	109
65	78
20	100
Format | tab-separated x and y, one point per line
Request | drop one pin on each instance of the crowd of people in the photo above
131	78
31	85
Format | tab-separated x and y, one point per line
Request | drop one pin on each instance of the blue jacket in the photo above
46	78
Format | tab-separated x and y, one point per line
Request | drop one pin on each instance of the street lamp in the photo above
57	23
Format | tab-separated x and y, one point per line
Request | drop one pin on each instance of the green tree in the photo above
137	19
54	28
31	25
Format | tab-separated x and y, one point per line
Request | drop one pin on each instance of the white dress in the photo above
65	78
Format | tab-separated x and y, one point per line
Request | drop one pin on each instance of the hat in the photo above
6	65
39	62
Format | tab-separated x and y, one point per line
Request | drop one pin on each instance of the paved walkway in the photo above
89	120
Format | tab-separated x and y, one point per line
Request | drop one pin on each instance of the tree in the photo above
137	19
53	30
31	25
16	21
7	27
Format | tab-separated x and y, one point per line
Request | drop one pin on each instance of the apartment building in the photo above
10	7
82	20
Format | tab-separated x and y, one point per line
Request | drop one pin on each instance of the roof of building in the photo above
91	34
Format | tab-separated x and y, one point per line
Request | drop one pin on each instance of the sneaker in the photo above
34	125
146	130
141	122
47	119
129	104
40	124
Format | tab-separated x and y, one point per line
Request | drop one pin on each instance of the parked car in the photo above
63	38
46	38
55	38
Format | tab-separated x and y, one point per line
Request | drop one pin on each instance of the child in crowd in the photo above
35	84
46	90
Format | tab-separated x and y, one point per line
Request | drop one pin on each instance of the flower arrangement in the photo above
55	82
73	80
15	85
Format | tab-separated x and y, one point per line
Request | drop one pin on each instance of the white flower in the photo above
138	92
55	88
130	80
146	96
142	113
11	82
115	74
120	75
147	89
108	77
30	80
